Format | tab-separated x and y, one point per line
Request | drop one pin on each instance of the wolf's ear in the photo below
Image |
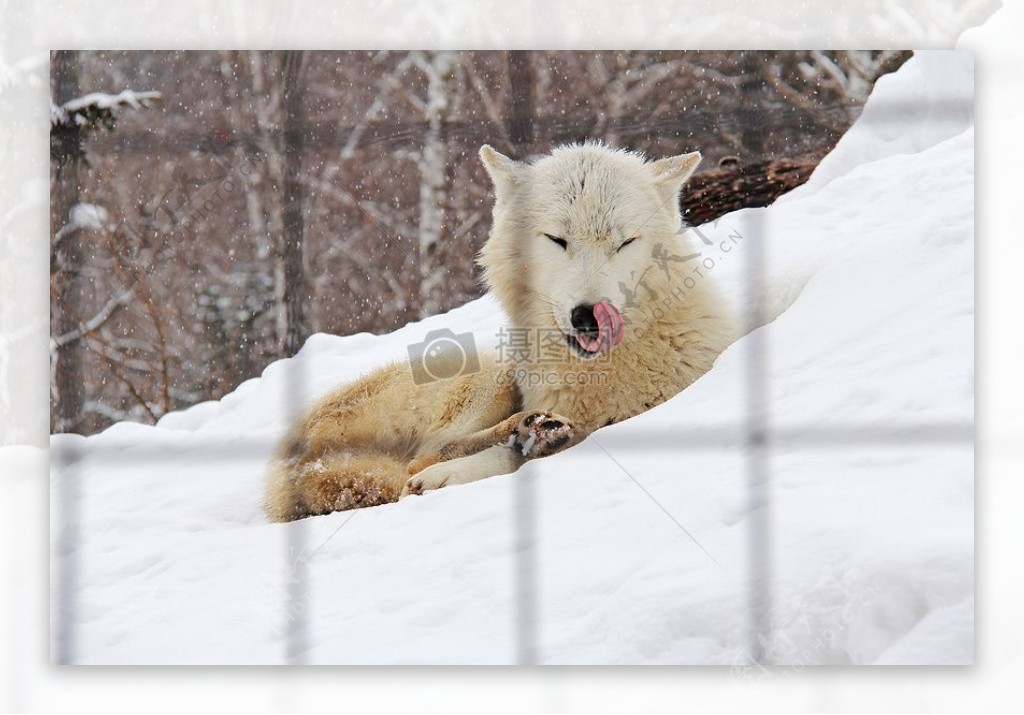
670	173
503	171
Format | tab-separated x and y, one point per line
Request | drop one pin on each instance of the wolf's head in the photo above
583	241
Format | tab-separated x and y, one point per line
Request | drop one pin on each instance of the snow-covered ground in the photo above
643	544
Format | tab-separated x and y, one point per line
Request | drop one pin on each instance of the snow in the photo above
75	110
103	100
528	444
932	100
88	216
633	547
57	115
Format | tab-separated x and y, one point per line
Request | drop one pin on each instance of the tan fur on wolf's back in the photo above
570	230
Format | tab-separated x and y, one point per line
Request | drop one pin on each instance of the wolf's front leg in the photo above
535	434
497	450
488	463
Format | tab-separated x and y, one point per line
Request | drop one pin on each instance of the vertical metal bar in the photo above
65	71
759	547
296	538
298	594
297	613
68	476
522	112
525	581
292	66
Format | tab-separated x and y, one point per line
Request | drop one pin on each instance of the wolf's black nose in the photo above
583	319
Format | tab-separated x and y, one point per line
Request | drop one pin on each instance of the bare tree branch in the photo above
93	323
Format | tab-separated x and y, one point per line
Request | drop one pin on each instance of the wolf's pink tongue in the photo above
609	323
609	329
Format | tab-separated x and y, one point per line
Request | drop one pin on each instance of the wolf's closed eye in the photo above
626	243
560	241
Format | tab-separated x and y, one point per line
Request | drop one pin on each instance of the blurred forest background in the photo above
211	210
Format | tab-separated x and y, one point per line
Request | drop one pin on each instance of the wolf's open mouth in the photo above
604	333
574	345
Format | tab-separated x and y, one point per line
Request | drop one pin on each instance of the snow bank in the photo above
632	547
929	100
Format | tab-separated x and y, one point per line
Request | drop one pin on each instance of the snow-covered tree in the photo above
73	118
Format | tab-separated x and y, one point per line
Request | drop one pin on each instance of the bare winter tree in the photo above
356	202
277	111
72	118
438	68
521	100
295	296
67	251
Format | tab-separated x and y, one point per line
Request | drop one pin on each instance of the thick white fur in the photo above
596	198
384	436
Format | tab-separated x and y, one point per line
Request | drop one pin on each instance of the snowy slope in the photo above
634	546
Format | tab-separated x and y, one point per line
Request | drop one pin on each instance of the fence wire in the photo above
756	437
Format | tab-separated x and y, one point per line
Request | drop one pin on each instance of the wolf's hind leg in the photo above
334	482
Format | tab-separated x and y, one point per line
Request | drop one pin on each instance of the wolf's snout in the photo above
583	319
597	327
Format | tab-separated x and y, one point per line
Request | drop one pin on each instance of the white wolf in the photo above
587	246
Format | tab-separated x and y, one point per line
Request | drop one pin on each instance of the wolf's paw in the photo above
540	433
433	477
